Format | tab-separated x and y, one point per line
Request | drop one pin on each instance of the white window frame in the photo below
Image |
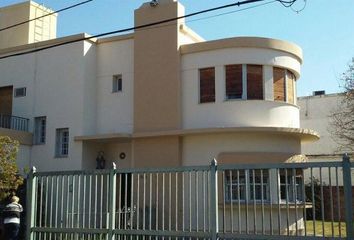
62	142
288	186
117	83
40	130
246	185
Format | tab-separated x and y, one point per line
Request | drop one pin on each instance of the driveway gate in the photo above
263	201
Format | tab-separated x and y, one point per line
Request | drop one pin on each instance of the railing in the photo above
264	201
13	122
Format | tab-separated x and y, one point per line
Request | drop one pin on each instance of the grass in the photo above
327	229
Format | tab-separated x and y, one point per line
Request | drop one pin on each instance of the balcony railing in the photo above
13	122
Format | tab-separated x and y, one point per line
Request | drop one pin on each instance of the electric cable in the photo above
138	27
46	15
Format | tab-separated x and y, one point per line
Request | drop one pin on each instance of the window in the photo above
290	78
62	142
20	92
291	186
254	82
247	185
234	84
207	85
279	84
117	83
40	130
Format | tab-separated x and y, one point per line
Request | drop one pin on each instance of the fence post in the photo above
112	200
347	184
30	203
214	214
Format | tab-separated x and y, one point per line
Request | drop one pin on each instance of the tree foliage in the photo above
343	117
10	180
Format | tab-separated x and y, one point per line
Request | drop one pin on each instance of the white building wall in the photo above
115	110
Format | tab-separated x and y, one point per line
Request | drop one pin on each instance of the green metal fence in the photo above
263	201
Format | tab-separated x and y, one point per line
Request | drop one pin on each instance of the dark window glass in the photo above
254	82
207	85
233	81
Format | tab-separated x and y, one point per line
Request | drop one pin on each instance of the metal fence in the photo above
263	201
13	122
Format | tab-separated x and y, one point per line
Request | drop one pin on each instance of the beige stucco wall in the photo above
157	152
201	149
157	69
34	31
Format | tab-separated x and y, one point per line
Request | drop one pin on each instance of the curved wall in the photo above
236	113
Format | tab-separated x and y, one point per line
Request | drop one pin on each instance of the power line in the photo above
141	26
46	15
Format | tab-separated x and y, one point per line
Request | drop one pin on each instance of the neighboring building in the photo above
315	113
161	96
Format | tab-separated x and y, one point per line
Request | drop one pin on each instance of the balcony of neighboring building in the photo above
16	128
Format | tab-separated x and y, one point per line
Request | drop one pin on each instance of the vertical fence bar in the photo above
347	184
31	192
112	200
214	200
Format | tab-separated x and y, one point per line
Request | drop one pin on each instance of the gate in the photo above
263	201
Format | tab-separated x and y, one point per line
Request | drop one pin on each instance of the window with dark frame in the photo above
255	82
62	142
207	85
20	92
40	130
233	78
117	84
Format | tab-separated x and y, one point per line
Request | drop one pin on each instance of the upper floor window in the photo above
40	130
20	92
279	84
234	81
283	85
207	85
254	82
62	142
290	78
117	84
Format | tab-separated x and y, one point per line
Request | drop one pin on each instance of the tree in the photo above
10	179
342	120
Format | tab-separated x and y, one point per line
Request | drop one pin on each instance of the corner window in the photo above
117	83
62	142
207	85
40	130
20	92
254	82
290	80
279	84
234	85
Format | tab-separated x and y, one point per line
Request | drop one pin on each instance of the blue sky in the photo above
324	29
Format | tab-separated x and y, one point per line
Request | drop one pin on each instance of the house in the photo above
159	97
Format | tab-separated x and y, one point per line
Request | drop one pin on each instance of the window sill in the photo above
61	156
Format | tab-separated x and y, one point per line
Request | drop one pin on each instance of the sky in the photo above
324	29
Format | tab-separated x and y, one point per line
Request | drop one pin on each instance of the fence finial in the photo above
114	166
346	157
214	162
34	169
